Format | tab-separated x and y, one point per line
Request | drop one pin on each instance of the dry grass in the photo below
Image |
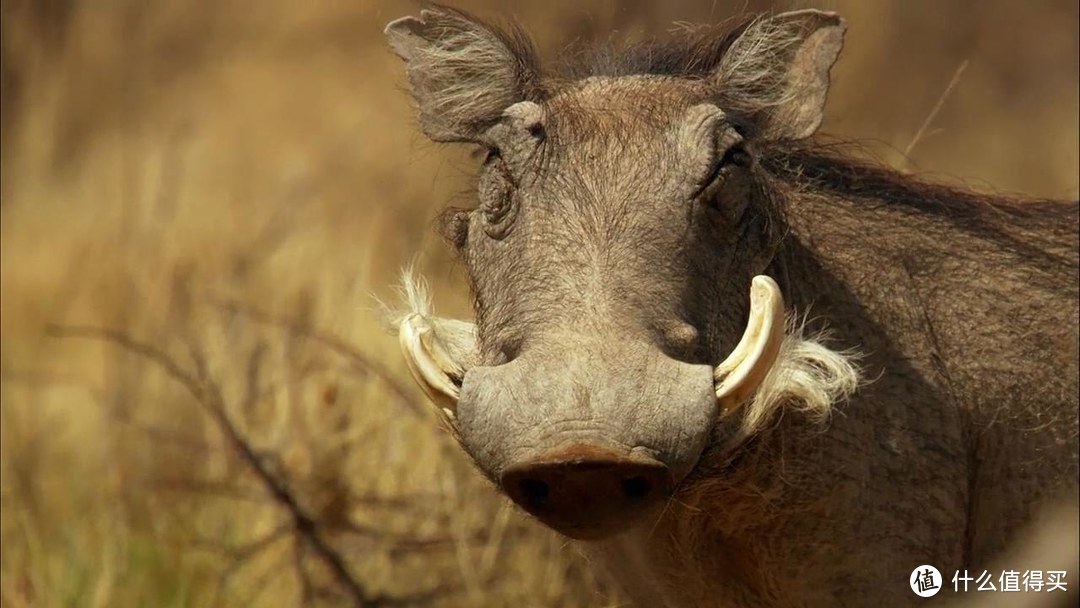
225	183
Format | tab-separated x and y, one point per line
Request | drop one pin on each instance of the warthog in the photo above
915	406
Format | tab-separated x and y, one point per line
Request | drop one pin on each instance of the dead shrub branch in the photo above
307	532
359	360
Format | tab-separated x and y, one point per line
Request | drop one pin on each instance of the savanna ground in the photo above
223	184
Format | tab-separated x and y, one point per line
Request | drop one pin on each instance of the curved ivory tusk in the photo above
746	367
431	366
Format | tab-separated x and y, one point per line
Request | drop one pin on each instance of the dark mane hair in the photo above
1010	221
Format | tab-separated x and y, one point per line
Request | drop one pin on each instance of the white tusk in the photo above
746	367
431	366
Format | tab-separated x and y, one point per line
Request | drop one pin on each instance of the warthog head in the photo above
619	230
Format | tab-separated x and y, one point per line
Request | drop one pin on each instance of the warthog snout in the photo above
589	437
587	492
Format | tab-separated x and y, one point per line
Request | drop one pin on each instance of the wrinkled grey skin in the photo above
620	219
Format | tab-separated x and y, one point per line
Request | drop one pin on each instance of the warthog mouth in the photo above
737	377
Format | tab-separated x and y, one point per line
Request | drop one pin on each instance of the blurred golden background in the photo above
228	182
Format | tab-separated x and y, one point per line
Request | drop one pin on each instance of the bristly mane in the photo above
1043	231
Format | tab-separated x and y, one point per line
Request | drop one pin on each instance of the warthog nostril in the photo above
534	491
586	491
636	488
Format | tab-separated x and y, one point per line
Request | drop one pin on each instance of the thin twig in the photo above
937	108
217	489
334	343
247	550
307	589
259	585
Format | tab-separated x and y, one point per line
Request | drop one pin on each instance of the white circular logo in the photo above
925	581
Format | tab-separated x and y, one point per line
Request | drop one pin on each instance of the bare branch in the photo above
937	108
162	360
215	488
335	343
303	523
249	550
308	535
307	590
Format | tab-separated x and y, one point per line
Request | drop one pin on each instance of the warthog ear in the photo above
777	71
463	73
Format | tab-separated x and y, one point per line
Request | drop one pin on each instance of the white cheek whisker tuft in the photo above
413	297
414	293
808	377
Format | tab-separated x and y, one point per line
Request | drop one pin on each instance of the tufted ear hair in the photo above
776	72
463	73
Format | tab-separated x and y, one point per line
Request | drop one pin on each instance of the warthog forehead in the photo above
628	101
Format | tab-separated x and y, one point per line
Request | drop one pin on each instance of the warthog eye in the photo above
737	156
729	152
